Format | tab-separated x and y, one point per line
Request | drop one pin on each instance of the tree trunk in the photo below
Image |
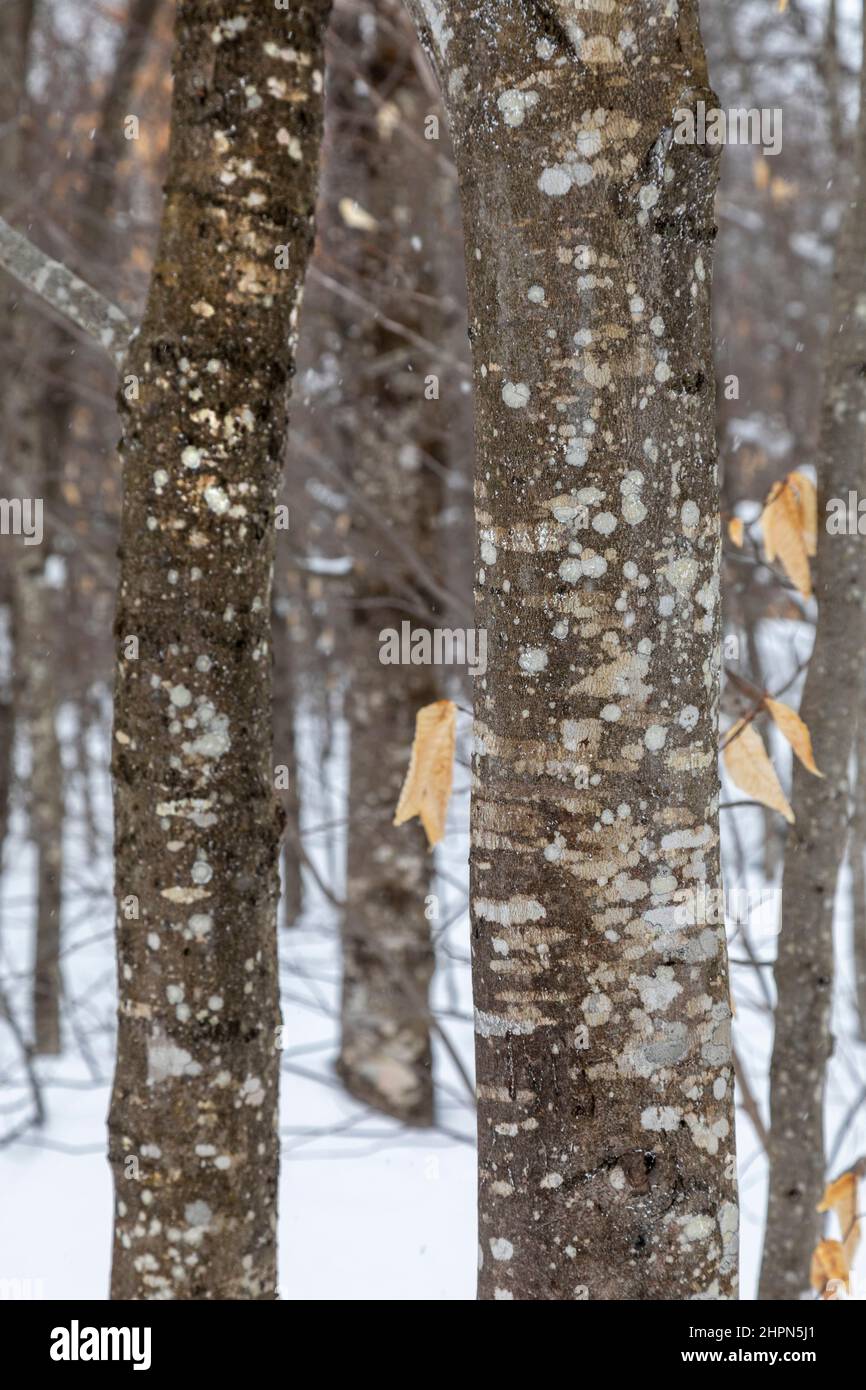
30	473
285	758
606	1127
37	705
385	1051
816	843
193	1134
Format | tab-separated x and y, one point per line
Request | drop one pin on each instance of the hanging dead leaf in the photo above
783	190
427	788
736	531
355	216
836	1291
748	766
783	535
828	1262
791	726
807	506
760	173
841	1197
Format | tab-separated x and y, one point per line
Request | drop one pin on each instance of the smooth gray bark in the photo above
605	1083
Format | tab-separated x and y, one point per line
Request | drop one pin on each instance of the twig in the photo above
58	287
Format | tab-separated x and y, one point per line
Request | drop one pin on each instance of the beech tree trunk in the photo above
37	708
285	705
803	1041
193	1135
605	1085
385	1054
30	472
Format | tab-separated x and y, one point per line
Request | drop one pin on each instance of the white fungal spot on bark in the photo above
605	523
707	1136
551	1181
500	1248
510	911
184	895
215	743
553	851
688	717
687	839
291	143
535	294
592	565
515	394
200	925
570	570
532	660
514	105
682	574
217	499
555	181
698	1228
597	1009
253	1092
633	509
492	1026
198	1214
655	736
165	1060
660	1118
577	453
658	991
610	713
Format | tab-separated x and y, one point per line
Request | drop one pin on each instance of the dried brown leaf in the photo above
807	506
792	727
427	788
750	768
735	531
828	1262
760	173
841	1197
783	536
